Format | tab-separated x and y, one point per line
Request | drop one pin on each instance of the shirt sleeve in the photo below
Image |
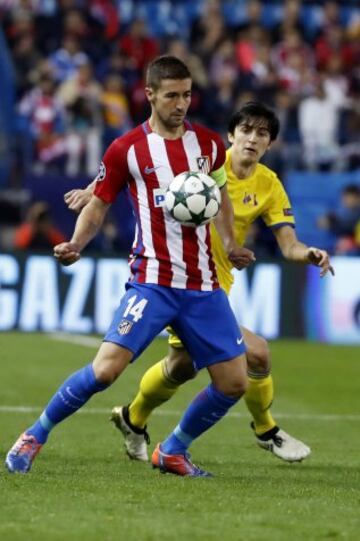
278	212
220	152
219	176
113	173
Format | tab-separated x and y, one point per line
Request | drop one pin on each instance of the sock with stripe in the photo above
258	397
155	389
71	396
204	412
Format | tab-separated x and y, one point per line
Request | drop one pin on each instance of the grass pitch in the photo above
83	487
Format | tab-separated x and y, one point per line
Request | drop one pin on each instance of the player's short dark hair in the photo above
255	109
165	67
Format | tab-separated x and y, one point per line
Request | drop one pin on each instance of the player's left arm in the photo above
239	256
295	250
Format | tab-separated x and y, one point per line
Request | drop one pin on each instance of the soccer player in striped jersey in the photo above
173	276
255	191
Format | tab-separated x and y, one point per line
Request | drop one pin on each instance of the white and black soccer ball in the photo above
193	198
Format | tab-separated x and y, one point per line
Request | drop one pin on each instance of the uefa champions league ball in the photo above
193	198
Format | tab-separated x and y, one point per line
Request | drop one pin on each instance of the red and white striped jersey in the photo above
164	252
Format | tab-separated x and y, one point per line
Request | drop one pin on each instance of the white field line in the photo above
322	417
77	339
89	341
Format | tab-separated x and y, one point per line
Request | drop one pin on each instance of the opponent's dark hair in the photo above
165	67
255	109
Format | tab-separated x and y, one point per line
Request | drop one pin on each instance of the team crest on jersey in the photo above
102	172
248	198
203	163
125	326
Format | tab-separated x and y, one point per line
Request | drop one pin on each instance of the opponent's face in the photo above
171	101
250	140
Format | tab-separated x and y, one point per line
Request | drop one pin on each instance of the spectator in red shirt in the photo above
38	231
138	45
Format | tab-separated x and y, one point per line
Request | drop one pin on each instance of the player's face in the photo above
171	101
251	139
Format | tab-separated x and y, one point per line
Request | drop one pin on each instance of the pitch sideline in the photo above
177	413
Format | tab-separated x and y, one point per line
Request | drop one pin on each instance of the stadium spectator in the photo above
18	23
38	231
285	153
290	19
318	125
180	49
291	42
25	56
105	14
81	95
219	100
138	46
67	60
247	45
344	222
333	42
115	109
43	124
275	49
208	31
253	16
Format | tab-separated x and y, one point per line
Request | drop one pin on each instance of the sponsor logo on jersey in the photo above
203	163
125	326
288	212
159	197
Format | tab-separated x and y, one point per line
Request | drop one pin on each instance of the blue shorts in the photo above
203	320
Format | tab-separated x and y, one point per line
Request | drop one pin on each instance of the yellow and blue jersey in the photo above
261	195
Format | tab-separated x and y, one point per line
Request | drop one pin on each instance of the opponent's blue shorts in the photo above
203	320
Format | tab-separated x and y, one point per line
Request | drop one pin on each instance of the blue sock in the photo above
71	396
204	411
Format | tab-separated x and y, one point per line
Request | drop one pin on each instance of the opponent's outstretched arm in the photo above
294	250
239	256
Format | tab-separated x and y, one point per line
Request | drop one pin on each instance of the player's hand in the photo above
320	258
67	253
77	199
241	257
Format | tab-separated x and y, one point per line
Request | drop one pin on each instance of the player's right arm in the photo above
87	225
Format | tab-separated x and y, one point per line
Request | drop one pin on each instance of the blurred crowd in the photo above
79	74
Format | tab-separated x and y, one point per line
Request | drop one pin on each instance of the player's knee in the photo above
238	387
258	355
235	387
110	364
178	366
107	372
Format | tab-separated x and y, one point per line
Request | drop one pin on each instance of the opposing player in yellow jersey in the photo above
255	192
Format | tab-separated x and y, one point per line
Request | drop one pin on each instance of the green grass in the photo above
82	487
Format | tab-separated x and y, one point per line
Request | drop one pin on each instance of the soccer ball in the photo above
193	198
